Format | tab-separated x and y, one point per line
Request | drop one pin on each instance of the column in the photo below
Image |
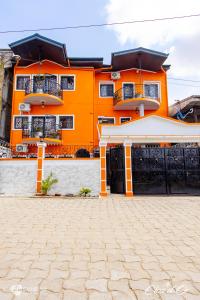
141	109
40	157
128	169
103	177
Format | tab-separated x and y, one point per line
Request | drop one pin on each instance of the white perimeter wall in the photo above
18	177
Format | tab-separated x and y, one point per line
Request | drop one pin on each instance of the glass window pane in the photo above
21	122
21	82
128	90
106	90
67	82
66	122
151	90
106	120
125	119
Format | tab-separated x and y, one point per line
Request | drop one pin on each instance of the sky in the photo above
179	38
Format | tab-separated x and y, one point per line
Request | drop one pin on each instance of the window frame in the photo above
67	116
108	83
104	117
68	75
126	82
130	118
21	75
158	83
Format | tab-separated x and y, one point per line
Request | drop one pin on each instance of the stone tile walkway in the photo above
115	249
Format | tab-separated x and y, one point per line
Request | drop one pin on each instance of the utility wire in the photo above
182	79
195	86
102	24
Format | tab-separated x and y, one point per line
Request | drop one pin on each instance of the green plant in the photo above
85	192
48	183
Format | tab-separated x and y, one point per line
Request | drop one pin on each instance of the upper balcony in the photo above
43	91
130	96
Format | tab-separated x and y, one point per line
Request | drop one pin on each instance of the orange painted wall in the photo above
84	103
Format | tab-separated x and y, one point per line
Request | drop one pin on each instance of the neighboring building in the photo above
6	89
61	99
187	109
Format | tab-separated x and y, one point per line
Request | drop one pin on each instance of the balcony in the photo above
43	92
130	98
32	134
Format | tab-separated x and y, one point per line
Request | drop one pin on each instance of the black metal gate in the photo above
116	170
166	171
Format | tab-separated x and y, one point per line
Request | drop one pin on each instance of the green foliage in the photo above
85	192
48	183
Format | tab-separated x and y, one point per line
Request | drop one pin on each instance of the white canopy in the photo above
151	129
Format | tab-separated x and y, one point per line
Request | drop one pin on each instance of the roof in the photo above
140	58
96	62
37	47
184	105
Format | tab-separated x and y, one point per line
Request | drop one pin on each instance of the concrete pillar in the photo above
103	177
128	169
141	109
40	157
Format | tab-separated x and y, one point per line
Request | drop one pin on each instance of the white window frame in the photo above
123	118
70	75
21	75
104	117
123	83
67	116
17	116
106	82
153	82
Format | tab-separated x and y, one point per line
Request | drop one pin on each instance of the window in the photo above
106	120
67	83
106	90
21	122
128	91
124	119
21	82
151	90
66	122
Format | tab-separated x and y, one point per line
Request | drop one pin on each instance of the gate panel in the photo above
117	171
148	171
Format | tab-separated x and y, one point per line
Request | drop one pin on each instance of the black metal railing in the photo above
43	86
136	91
29	130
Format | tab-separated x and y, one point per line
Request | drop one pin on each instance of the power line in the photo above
102	24
180	79
196	86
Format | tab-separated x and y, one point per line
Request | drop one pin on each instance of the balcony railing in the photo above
138	91
41	132
43	86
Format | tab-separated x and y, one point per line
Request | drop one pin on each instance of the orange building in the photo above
61	99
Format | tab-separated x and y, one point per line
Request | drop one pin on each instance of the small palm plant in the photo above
85	192
48	183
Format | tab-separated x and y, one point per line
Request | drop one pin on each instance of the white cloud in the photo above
181	38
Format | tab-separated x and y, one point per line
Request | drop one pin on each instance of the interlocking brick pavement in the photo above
92	249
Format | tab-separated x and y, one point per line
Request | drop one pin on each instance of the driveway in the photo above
114	249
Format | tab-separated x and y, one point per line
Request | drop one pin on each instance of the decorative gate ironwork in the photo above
166	170
116	170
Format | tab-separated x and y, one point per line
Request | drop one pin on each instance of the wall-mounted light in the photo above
42	103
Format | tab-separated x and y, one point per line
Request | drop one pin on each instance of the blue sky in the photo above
180	38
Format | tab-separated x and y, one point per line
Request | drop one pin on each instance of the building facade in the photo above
61	99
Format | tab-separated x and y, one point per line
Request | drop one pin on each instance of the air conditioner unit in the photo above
21	148
115	75
24	107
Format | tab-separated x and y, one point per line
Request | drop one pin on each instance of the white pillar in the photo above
141	109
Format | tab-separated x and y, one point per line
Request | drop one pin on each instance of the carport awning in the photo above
151	129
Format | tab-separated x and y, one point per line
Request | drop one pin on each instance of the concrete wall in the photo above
72	175
18	177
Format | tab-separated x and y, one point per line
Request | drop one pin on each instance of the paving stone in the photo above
96	284
100	296
77	285
71	295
